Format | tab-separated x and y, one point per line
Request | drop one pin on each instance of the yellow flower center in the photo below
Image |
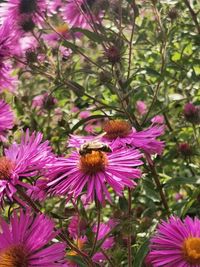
80	245
116	128
191	249
93	162
62	29
6	167
13	257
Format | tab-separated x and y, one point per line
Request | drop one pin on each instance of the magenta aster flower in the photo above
23	13
141	107
109	242
176	243
8	45
26	159
94	171
80	13
44	101
6	119
7	80
54	6
39	190
25	242
158	119
119	133
77	229
77	226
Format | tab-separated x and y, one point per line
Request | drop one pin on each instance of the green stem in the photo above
129	233
98	227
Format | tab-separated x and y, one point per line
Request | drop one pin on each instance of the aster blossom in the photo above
109	242
94	171
24	242
8	44
120	134
77	229
6	119
176	243
80	13
23	13
26	159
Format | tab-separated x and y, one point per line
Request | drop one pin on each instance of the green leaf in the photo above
76	88
141	253
181	181
93	36
70	45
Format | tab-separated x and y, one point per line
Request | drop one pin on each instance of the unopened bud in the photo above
185	149
113	54
192	113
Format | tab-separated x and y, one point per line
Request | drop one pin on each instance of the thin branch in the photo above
193	15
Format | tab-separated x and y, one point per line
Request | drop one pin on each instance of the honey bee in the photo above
94	145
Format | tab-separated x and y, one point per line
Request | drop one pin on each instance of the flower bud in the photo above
185	149
173	13
192	113
113	54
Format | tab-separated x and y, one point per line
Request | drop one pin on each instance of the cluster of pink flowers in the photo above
77	229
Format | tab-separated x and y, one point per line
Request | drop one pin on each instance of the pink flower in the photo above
44	101
77	231
7	80
178	196
77	227
158	119
38	192
94	171
74	109
54	6
27	241
61	32
8	46
6	119
176	243
84	114
23	13
109	242
26	159
141	107
79	13
119	133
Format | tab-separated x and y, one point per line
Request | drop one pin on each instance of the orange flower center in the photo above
80	245
116	128
62	29
6	167
93	162
13	257
191	249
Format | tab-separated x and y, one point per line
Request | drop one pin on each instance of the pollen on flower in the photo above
28	6
116	128
13	257
93	162
62	29
6	166
80	244
191	249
